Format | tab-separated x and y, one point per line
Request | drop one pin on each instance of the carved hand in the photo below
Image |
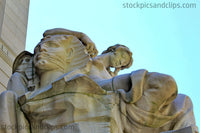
90	46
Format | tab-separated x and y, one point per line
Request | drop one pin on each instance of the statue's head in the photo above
60	53
22	61
120	56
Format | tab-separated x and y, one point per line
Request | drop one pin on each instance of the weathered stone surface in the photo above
65	87
13	27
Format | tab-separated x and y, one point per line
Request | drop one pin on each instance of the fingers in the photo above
90	46
92	51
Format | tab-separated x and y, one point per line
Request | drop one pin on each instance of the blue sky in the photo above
162	40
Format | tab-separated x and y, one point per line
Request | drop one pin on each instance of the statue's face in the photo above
119	58
24	63
50	54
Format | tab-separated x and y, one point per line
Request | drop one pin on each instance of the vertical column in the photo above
13	28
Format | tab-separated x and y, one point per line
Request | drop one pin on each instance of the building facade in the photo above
13	28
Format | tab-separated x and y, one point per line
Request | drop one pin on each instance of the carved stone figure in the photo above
22	79
74	92
117	56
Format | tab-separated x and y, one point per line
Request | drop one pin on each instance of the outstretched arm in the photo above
90	46
118	82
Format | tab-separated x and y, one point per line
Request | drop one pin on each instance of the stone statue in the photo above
22	79
75	92
117	56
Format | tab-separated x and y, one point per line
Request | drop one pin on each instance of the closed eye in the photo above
52	44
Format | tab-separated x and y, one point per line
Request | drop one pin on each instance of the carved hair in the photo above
85	40
115	48
80	56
